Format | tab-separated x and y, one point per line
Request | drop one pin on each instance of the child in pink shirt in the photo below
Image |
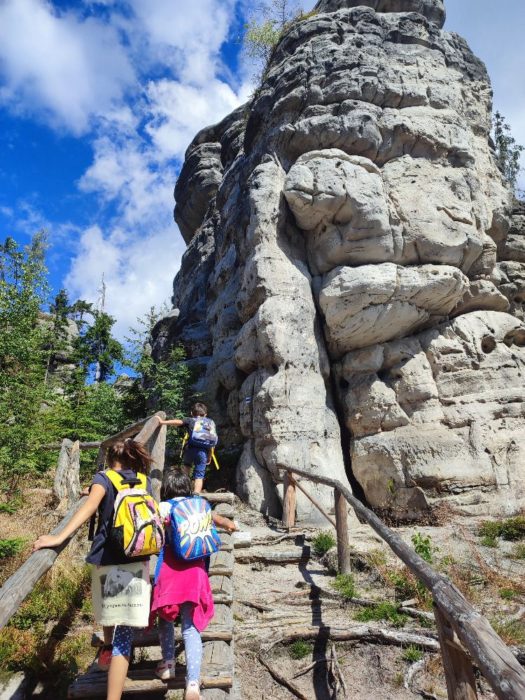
182	588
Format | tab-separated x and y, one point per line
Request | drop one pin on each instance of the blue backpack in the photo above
204	433
192	533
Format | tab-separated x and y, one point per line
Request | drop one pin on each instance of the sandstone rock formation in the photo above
350	268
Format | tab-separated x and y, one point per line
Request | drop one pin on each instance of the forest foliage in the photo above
59	369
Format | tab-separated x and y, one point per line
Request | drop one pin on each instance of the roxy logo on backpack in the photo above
137	529
204	433
192	533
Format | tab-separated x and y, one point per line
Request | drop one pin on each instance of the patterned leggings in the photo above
192	642
122	640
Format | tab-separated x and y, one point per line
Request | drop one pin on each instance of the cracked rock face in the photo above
353	286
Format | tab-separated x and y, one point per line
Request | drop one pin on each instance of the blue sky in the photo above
99	100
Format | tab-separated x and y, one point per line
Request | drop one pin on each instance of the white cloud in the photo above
60	67
178	111
80	69
138	273
186	36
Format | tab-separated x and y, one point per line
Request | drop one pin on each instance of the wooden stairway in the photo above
218	658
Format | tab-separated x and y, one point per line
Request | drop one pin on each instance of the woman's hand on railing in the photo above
47	542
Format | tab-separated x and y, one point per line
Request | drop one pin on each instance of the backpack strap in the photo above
120	483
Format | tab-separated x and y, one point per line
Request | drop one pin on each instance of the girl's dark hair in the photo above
174	485
131	454
199	409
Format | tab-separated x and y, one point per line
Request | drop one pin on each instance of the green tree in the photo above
23	354
159	384
508	152
97	350
265	27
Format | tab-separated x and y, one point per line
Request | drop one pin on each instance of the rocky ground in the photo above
277	602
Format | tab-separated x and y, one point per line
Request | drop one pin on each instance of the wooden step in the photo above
221	564
226	541
142	681
222	589
297	555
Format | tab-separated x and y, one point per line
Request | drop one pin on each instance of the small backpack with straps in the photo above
137	529
192	532
204	433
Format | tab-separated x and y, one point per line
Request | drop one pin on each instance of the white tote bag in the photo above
121	594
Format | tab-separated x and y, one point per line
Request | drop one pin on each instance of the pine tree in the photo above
23	355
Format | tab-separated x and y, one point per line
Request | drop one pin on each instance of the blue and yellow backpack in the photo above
192	532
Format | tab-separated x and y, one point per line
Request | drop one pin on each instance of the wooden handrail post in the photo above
158	454
343	544
459	674
289	501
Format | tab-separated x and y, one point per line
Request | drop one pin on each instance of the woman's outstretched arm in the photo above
81	516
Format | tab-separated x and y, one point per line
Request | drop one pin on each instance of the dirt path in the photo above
274	600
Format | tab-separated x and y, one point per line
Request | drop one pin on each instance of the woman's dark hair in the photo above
199	409
131	454
174	485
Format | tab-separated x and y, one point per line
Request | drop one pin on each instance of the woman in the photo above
120	588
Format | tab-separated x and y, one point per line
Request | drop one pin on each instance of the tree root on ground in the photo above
360	633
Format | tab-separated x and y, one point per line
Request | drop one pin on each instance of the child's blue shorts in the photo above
197	458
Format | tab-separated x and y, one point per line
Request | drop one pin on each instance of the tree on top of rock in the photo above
508	152
265	27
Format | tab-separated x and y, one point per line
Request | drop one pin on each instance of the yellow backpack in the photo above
137	529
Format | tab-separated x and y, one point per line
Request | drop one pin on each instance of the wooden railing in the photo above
16	589
462	630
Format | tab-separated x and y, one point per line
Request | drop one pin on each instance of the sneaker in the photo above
192	691
104	657
165	670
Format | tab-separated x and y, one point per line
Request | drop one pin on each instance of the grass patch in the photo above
511	631
382	611
345	585
510	529
300	649
518	551
323	542
12	505
507	593
489	541
8	548
48	603
412	654
25	644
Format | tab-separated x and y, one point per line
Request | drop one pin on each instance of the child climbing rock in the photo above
201	435
182	587
120	575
